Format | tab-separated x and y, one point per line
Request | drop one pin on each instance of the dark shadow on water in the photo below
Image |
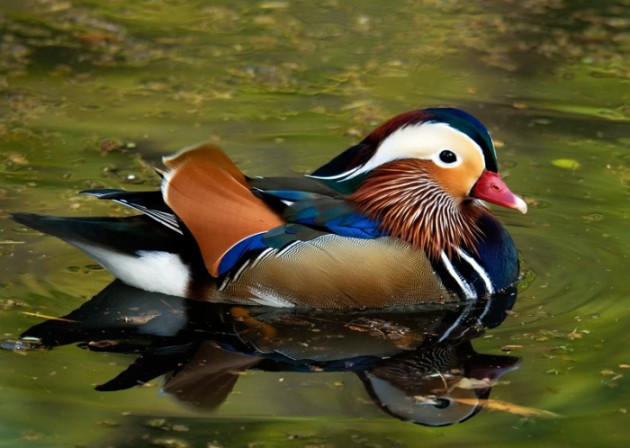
417	364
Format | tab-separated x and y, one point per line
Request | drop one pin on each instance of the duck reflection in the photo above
417	364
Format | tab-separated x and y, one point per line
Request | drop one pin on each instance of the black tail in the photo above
124	235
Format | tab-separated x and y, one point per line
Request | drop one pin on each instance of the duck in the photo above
397	219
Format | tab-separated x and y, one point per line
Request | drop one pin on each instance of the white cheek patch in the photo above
422	141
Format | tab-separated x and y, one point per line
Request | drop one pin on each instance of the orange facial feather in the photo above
410	203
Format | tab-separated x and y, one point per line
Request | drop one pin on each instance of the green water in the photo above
92	94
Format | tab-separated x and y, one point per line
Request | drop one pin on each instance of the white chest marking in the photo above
419	141
463	284
477	267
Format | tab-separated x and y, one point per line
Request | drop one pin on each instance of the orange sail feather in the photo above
212	197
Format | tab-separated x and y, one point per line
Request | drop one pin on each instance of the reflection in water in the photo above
416	364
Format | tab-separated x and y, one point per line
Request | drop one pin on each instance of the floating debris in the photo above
169	443
498	405
22	344
474	383
566	164
510	347
47	317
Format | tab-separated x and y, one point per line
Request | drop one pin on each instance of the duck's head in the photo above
422	174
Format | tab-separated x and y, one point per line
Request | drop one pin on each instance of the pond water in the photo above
92	94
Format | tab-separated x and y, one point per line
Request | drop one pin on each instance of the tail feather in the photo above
126	235
136	249
148	202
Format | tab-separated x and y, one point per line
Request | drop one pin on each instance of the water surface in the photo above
92	94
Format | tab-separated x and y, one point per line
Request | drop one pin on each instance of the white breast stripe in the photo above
477	267
468	292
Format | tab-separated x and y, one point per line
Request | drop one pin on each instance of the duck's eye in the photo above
442	403
447	156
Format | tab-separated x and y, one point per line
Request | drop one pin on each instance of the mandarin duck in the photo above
397	219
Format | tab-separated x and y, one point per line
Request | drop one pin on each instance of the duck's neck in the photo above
409	203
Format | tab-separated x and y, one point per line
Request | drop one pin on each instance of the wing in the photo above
214	200
310	210
327	254
296	183
150	203
309	202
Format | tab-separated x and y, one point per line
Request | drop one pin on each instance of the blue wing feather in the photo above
290	195
335	215
310	214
